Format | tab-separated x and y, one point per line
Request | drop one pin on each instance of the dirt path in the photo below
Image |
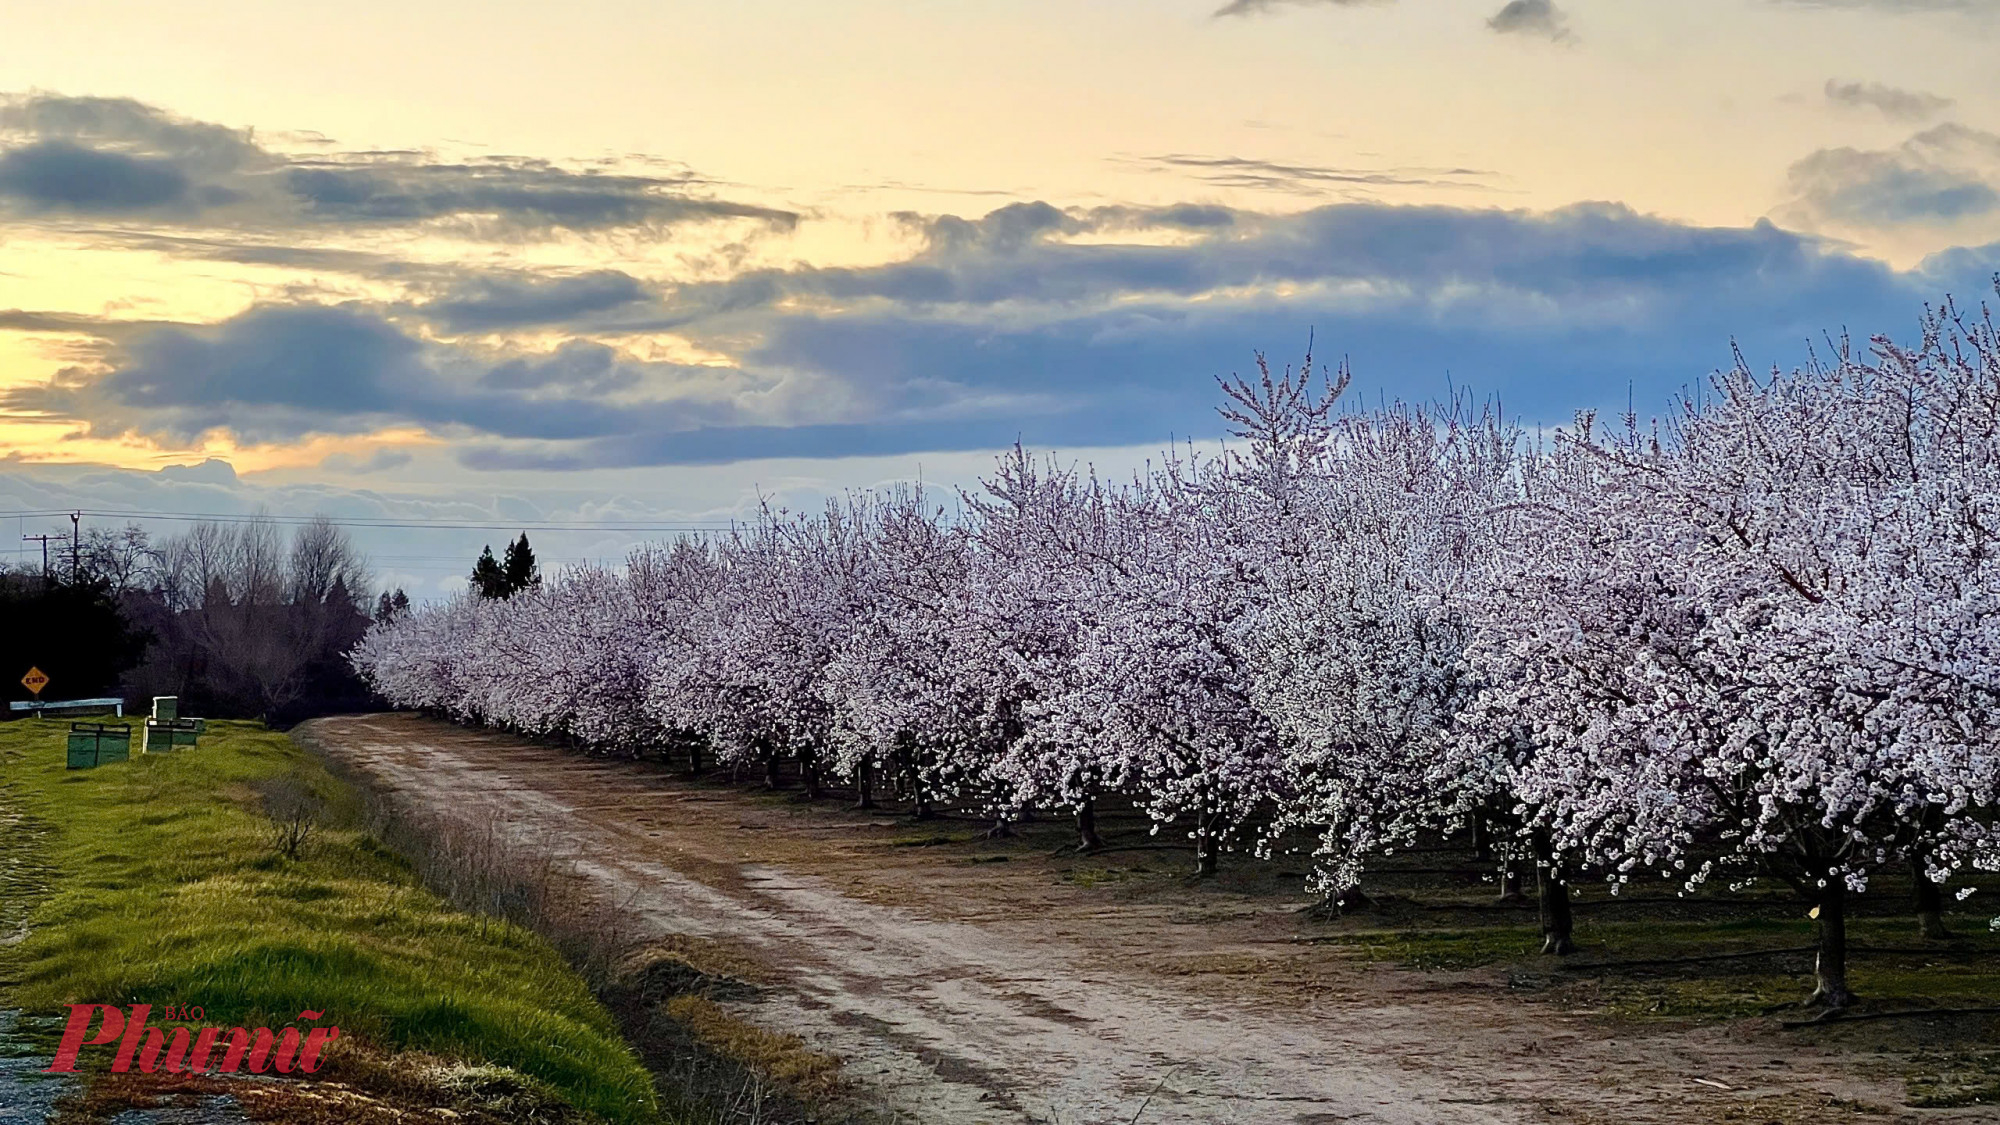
963	990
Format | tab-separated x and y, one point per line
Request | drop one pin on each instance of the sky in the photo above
609	269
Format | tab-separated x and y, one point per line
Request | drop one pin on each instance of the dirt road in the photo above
965	990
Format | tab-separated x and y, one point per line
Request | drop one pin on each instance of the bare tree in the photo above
124	560
255	620
323	560
256	569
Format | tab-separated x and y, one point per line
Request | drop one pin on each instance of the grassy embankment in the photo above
158	881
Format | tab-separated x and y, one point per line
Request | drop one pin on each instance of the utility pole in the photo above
44	540
76	546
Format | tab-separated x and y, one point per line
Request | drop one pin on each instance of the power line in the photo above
382	522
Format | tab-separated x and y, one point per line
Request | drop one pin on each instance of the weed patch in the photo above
784	1059
1955	1078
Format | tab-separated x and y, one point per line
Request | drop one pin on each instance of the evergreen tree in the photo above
487	576
521	571
390	608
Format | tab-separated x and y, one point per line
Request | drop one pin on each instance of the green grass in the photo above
156	881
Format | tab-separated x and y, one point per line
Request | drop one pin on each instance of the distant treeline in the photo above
240	620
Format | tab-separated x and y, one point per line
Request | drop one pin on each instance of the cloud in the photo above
1270	175
1259	7
380	461
1899	7
522	300
275	248
122	124
1539	18
1939	177
578	367
308	359
68	323
213	470
1028	321
514	193
58	175
1899	105
118	157
281	372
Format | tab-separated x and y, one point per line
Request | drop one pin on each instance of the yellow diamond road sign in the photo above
35	680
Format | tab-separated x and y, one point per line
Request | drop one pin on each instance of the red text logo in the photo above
192	1051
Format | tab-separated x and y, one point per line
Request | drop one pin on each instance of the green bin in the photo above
165	735
94	744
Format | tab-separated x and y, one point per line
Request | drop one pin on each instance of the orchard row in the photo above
1757	638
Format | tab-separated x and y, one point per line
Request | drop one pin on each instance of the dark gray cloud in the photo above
1312	179
61	176
307	358
1008	325
125	125
518	193
522	300
118	157
1900	105
1540	18
1004	228
1259	7
578	367
278	372
1940	176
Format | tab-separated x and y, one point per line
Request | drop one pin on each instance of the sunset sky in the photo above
613	262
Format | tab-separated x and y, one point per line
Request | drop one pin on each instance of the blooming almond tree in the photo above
1770	625
904	691
1362	648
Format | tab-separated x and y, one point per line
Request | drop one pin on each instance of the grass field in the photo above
159	881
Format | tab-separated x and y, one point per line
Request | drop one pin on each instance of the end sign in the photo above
35	680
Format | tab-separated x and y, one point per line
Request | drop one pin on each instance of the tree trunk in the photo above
1830	968
922	811
1205	858
694	760
864	785
1002	829
1510	882
771	778
1204	855
1087	839
1552	900
1930	902
1482	843
809	775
